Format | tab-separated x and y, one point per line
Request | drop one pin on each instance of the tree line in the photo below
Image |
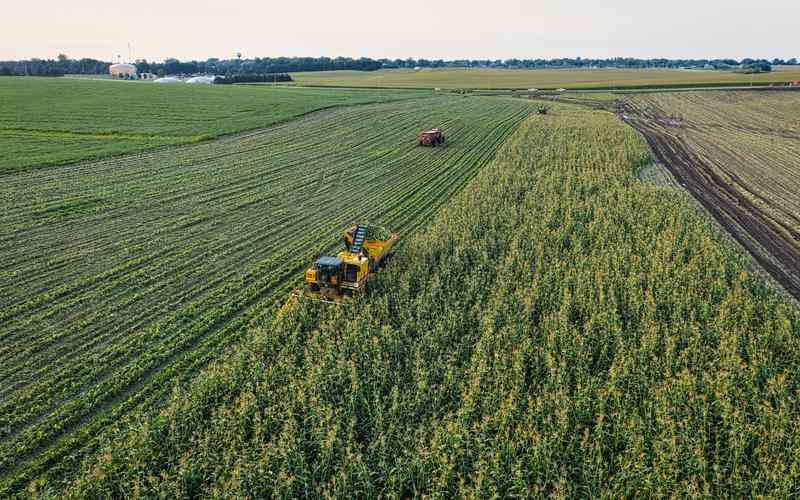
253	78
266	65
54	67
278	65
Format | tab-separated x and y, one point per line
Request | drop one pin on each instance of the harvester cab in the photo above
327	271
336	279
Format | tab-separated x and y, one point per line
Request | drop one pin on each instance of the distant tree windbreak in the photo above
53	67
254	78
756	67
272	65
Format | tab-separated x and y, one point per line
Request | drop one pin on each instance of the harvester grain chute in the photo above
432	138
338	279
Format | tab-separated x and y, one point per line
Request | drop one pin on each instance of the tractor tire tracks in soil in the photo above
776	250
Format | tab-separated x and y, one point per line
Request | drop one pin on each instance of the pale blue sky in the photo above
449	29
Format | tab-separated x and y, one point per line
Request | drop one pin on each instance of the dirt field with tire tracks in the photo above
738	154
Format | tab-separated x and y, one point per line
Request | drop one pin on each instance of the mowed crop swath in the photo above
123	276
737	153
47	121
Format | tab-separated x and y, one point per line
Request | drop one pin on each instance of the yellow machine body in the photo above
338	279
376	250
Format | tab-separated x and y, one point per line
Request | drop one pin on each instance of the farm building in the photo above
201	80
123	70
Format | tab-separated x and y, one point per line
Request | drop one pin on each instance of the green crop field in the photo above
120	277
541	79
560	329
549	326
47	121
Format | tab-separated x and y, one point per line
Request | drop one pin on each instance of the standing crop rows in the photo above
122	276
737	153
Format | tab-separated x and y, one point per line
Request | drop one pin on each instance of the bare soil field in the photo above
738	154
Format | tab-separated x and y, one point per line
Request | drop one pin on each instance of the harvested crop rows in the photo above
50	121
120	277
737	153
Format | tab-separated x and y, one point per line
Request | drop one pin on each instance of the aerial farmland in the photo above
281	277
736	152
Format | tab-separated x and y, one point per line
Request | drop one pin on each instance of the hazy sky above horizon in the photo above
446	29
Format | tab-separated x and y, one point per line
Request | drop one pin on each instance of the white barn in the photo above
123	70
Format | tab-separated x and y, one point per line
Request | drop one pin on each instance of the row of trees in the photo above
578	62
254	78
271	65
54	67
266	65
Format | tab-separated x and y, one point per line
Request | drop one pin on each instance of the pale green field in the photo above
544	79
51	121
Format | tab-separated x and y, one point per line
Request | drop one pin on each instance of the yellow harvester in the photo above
336	279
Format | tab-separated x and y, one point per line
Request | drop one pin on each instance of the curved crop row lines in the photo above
178	303
559	328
